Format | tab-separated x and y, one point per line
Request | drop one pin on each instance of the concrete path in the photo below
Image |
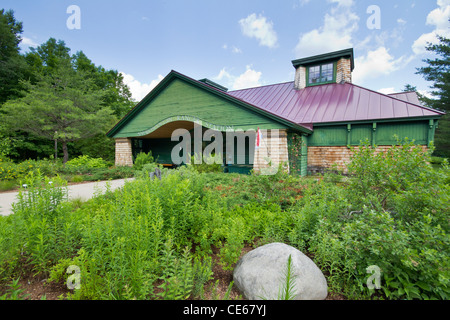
83	191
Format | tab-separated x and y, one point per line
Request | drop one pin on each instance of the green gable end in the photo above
180	100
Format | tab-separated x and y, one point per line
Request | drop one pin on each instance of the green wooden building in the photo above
307	124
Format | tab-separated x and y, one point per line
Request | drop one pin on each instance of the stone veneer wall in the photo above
321	158
124	154
300	78
273	149
344	71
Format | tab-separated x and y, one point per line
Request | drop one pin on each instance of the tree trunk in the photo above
65	152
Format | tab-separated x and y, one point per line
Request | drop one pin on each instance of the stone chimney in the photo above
343	65
344	70
300	77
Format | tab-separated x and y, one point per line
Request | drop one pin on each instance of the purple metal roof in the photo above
409	96
332	103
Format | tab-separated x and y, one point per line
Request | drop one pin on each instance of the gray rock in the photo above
260	274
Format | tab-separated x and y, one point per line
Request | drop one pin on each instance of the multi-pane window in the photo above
321	74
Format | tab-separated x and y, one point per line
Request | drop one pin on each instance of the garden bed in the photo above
174	238
36	287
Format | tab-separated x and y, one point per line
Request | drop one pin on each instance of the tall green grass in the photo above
154	239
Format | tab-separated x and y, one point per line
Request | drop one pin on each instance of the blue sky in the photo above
243	43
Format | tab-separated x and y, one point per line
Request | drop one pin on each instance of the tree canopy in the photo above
437	71
49	94
12	64
61	106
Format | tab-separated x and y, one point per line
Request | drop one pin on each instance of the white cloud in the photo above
343	3
387	90
439	19
258	27
300	3
338	31
377	63
139	90
426	93
236	50
250	78
27	42
335	33
233	49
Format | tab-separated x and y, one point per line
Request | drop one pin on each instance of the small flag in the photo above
258	138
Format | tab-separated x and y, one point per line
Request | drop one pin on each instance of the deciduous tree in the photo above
61	106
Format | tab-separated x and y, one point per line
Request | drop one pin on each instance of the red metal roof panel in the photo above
332	103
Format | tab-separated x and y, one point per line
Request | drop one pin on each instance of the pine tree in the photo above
438	72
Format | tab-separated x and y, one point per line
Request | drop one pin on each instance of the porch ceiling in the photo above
166	130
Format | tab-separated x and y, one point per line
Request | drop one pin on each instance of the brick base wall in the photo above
273	149
322	158
124	154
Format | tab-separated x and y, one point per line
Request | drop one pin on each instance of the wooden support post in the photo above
431	131
349	135
304	157
374	134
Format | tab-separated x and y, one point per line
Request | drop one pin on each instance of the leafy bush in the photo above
86	161
206	165
147	169
438	160
8	170
153	239
113	173
394	215
15	171
142	159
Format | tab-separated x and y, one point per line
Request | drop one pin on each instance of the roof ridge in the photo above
266	85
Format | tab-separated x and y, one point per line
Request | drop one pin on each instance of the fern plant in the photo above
287	290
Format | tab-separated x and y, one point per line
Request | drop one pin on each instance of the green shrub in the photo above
147	169
206	165
142	159
9	170
6	185
113	173
153	239
438	160
86	161
394	215
77	178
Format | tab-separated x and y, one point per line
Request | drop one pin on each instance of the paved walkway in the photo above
83	191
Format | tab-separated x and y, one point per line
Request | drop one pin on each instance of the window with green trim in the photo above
321	74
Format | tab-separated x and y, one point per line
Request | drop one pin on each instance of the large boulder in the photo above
260	274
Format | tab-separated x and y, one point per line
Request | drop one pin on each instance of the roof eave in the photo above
385	120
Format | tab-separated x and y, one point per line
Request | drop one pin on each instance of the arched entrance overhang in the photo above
235	147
